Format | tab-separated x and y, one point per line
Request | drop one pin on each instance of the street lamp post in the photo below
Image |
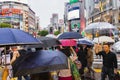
101	10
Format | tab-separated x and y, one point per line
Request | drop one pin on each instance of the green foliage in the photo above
43	33
56	32
5	25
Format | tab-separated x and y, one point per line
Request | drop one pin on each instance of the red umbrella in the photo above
68	42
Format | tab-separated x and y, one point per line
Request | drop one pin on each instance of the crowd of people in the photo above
80	61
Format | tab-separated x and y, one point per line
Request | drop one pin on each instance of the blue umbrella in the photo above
85	41
10	36
38	62
70	35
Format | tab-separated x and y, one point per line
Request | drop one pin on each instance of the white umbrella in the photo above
51	35
100	25
102	39
116	47
103	28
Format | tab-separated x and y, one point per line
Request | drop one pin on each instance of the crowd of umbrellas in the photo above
43	60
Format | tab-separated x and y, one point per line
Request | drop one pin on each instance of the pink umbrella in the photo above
68	42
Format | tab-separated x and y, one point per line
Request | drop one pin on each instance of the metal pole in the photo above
101	10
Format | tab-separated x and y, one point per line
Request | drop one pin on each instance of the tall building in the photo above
93	11
53	23
74	15
37	23
61	26
31	21
106	11
18	14
56	24
55	20
89	6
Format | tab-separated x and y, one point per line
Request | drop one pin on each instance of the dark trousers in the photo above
26	77
81	71
107	71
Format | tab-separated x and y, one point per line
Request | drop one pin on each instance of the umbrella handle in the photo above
61	47
5	55
73	51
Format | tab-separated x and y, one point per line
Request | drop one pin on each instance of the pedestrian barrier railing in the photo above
98	63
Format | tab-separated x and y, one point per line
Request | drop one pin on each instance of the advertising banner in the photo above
74	11
73	1
20	1
75	25
74	14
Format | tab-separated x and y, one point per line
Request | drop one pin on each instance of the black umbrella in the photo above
47	42
70	35
38	62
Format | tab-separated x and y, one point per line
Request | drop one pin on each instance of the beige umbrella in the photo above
103	39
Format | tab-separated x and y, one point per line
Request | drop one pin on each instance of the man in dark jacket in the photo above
82	57
109	62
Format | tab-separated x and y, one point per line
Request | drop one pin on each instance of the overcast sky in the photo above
45	8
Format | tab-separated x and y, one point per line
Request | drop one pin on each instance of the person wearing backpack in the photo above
15	54
6	57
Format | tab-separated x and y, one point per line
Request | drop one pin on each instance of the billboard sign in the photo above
10	10
75	25
73	14
20	1
73	1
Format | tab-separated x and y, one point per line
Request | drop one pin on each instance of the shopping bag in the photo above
14	78
5	73
78	64
74	71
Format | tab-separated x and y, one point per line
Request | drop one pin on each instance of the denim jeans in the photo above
26	77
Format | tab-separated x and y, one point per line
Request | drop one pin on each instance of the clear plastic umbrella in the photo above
116	47
101	27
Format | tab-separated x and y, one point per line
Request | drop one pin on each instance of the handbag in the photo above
117	76
5	73
78	64
74	71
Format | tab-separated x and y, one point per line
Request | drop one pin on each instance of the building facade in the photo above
93	11
75	15
105	11
18	14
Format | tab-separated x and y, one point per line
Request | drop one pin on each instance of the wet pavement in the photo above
97	75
